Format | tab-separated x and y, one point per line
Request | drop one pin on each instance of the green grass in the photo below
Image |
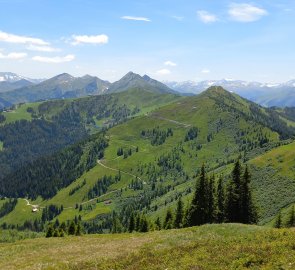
1	146
20	113
226	246
274	172
203	112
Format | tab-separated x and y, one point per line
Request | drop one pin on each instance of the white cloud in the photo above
42	48
132	18
245	12
11	38
98	39
178	18
206	17
205	71
54	60
163	71
170	63
13	56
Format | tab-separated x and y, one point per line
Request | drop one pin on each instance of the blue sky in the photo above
166	39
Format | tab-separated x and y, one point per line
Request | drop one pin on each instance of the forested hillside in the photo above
149	161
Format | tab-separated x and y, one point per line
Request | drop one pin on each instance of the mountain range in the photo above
265	94
67	86
18	89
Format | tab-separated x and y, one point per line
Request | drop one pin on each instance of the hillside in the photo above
61	123
61	86
276	173
230	246
154	158
65	86
132	80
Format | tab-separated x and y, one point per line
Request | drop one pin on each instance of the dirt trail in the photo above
171	121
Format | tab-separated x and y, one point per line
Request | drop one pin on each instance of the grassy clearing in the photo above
20	113
226	246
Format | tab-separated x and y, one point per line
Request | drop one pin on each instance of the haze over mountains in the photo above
17	89
266	94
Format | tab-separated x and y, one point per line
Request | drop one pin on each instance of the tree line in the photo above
213	202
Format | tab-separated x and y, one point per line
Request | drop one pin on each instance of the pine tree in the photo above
78	229
116	224
178	222
220	202
72	228
168	222
248	213
232	206
56	233
158	224
291	218
137	223
144	225
198	212
50	231
131	227
211	200
278	221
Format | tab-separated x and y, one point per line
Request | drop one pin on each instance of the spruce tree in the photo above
248	213
232	206
78	229
158	224
137	223
291	218
198	212
56	233
278	221
144	225
72	228
178	221
131	227
168	222
50	231
211	200
220	202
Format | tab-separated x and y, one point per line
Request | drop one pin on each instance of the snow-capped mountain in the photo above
12	77
10	81
266	94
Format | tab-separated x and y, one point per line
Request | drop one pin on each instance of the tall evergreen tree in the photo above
211	199
178	221
198	212
50	231
220	202
144	225
168	222
72	228
278	221
158	225
131	226
248	213
291	218
232	206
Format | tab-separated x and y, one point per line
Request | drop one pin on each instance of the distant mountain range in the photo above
67	86
268	95
16	89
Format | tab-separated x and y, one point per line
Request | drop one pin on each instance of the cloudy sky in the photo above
166	39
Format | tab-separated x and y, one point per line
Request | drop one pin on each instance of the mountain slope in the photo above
61	86
155	157
132	80
60	123
226	246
